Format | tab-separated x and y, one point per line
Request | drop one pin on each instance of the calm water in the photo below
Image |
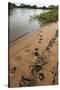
20	23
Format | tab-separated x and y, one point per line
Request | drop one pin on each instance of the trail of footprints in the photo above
40	40
36	49
37	68
28	81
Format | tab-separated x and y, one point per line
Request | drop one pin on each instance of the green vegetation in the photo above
22	5
47	17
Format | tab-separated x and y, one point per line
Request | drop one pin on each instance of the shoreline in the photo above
23	36
35	57
26	35
19	37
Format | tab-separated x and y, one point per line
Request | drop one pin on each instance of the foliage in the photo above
47	17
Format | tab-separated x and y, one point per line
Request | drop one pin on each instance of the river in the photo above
20	22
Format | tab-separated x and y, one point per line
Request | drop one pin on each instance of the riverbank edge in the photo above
26	34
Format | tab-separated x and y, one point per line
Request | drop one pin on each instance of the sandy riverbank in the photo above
33	59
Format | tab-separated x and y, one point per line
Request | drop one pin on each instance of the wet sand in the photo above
34	59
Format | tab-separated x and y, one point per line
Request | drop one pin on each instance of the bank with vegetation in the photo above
47	17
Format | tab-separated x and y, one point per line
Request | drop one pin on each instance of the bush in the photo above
47	17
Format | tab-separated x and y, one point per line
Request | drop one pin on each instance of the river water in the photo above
20	22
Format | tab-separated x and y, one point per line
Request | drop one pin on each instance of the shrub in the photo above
47	17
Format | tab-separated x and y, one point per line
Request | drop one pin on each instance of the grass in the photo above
47	17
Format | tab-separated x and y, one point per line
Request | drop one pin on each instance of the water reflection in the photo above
20	22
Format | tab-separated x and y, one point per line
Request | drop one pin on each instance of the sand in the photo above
34	59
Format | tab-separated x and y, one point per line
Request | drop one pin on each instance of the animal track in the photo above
41	39
41	76
26	80
13	69
36	49
36	68
40	35
36	54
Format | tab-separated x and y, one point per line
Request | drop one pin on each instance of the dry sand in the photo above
33	59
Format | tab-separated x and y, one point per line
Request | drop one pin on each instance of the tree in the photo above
51	6
44	7
34	6
22	5
11	5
